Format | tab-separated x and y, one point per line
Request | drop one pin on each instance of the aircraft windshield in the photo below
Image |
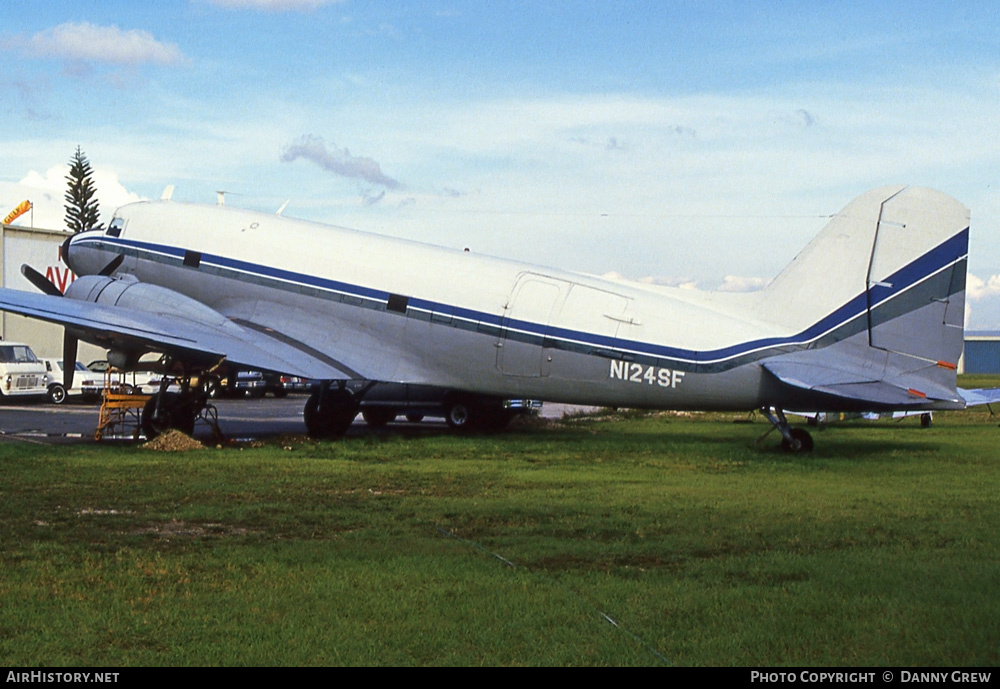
116	227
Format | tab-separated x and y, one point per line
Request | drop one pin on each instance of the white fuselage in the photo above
394	310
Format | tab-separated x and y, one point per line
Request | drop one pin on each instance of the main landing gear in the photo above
792	439
330	411
331	408
180	410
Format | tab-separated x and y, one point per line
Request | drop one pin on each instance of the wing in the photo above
195	332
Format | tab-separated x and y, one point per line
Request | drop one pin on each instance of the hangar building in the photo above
39	248
982	352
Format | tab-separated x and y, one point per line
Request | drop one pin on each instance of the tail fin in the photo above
886	278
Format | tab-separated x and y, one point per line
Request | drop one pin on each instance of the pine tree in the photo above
82	209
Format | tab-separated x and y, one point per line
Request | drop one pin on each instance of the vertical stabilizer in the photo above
877	301
916	278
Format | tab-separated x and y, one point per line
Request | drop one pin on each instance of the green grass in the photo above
879	548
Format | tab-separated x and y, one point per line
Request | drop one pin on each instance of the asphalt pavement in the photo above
38	421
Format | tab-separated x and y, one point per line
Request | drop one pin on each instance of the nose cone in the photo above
64	253
83	253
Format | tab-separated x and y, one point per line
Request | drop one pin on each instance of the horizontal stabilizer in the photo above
861	383
979	396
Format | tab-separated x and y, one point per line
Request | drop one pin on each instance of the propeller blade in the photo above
113	266
40	281
69	359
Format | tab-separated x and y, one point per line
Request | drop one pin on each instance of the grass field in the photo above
879	548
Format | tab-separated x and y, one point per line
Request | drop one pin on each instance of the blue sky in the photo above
694	143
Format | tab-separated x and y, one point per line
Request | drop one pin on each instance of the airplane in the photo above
868	317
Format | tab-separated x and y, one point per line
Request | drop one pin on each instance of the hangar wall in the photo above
39	248
982	352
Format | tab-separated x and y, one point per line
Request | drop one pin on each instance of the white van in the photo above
21	373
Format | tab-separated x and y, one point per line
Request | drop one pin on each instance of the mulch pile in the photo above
173	441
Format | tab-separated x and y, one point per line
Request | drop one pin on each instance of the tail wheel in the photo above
800	441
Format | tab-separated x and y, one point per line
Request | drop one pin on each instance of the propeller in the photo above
112	266
70	342
40	281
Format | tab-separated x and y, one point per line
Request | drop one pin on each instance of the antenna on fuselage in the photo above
283	206
221	197
168	193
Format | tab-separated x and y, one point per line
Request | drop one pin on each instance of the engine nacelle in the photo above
128	292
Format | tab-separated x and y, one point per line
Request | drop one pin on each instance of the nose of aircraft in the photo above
64	252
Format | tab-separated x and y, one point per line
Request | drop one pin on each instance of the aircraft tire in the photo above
801	441
459	415
378	417
926	420
331	416
57	393
174	413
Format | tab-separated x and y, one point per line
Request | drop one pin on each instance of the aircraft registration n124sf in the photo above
868	317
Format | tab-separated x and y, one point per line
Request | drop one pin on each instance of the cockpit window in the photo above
116	227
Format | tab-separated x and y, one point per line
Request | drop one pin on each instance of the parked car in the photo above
86	383
126	381
383	402
280	386
21	372
243	384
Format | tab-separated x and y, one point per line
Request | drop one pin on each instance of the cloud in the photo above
614	144
680	283
46	191
976	288
87	43
371	198
340	163
273	5
27	97
986	295
738	283
731	283
659	280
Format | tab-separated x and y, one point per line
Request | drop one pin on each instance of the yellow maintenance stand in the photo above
121	408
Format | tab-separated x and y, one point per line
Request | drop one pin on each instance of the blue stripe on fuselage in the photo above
947	253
